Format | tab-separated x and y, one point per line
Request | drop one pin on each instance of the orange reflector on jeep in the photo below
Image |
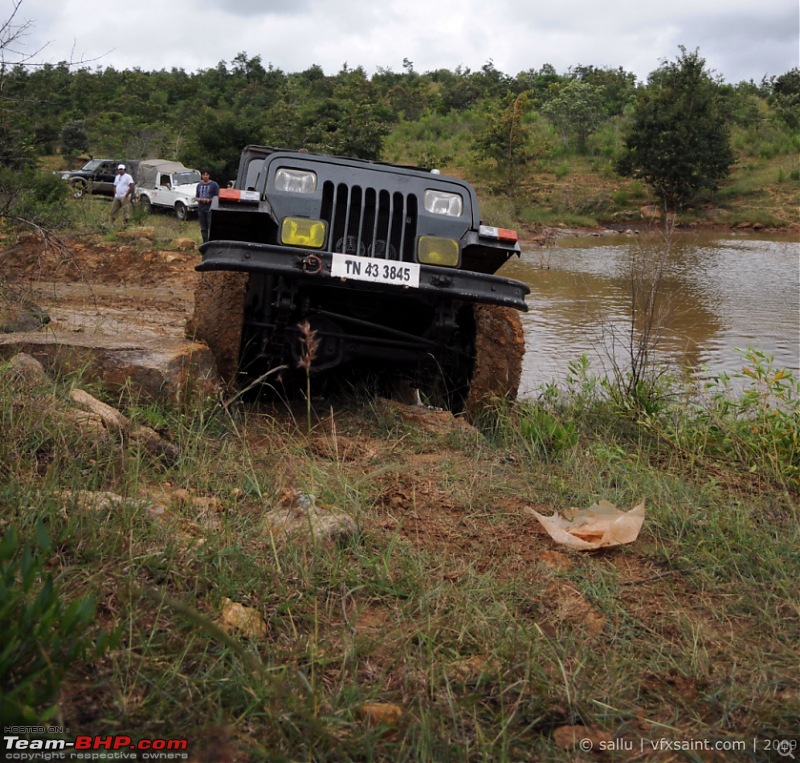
235	195
498	234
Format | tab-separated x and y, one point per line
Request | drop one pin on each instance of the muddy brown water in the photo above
718	293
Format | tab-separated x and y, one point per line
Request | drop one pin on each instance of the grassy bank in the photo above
446	625
585	191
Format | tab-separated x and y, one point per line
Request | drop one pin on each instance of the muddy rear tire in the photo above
499	347
218	318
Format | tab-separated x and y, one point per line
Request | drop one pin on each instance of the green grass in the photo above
449	603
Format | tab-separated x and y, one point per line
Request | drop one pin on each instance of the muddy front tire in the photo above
499	347
218	318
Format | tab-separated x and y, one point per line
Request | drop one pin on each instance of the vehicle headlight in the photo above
443	203
433	250
300	231
295	181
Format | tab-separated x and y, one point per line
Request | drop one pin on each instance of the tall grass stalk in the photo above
309	345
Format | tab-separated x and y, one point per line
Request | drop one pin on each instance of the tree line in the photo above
674	130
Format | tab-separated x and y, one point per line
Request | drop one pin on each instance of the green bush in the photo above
753	418
34	198
545	434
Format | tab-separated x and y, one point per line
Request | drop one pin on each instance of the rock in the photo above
183	244
159	367
20	314
90	500
26	367
650	212
116	421
584	737
385	713
429	419
244	620
300	515
144	231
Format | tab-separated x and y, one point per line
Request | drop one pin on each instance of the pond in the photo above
715	294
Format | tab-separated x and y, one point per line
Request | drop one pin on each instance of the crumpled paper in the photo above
600	526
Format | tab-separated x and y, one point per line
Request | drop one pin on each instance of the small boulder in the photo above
183	244
299	515
244	620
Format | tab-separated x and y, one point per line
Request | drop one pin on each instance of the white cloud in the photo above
739	39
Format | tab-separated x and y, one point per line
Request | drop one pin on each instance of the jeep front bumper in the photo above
315	267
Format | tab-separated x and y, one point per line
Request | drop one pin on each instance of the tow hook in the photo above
312	264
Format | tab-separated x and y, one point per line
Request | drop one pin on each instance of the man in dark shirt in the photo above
207	189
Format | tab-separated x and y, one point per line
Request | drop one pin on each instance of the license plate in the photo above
376	271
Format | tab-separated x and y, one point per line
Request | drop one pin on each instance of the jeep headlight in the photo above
295	181
433	250
443	203
301	231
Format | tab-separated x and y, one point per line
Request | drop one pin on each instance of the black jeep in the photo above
328	263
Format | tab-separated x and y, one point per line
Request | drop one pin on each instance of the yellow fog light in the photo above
300	231
433	250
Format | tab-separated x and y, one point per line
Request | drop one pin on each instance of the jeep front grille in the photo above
370	222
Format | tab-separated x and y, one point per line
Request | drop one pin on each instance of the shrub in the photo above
34	198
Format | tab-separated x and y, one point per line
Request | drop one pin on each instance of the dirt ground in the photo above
103	288
133	289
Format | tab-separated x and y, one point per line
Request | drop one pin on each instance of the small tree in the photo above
507	139
74	138
576	112
786	97
678	141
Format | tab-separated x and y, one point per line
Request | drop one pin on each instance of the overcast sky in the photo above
740	39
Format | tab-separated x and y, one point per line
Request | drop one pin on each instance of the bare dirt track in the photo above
119	289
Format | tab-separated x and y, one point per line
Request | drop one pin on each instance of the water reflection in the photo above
716	294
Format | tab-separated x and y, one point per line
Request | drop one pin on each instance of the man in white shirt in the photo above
123	193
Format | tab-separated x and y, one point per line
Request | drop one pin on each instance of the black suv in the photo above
96	176
326	263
